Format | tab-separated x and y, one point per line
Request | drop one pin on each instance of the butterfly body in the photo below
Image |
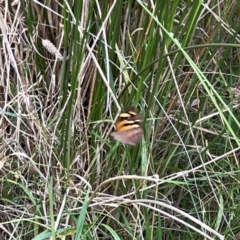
128	129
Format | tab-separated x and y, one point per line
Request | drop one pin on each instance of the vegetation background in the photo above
68	68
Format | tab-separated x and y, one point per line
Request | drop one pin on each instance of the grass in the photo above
68	69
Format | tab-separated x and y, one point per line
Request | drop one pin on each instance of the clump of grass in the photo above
69	69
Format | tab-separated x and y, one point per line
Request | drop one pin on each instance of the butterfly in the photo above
128	129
